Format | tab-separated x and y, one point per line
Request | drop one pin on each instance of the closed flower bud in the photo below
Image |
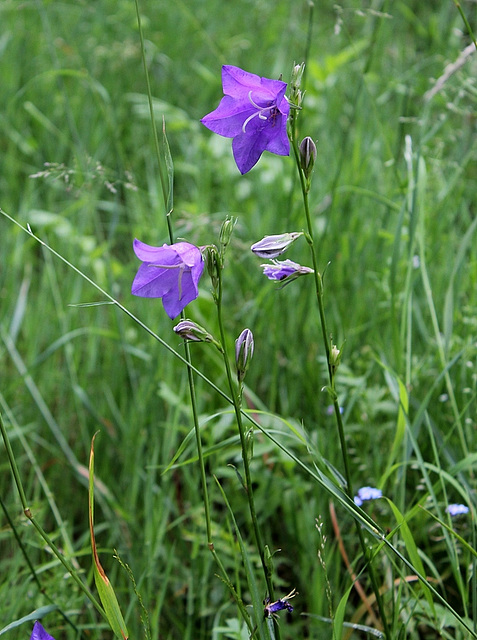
335	358
296	96
213	263
307	156
273	246
192	331
226	231
243	353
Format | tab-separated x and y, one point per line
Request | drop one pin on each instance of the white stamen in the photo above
259	113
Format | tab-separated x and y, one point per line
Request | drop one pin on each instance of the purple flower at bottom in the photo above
367	493
254	113
284	270
457	510
171	272
39	633
271	608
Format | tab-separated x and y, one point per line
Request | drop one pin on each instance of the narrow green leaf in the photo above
169	169
340	613
257	602
412	550
104	587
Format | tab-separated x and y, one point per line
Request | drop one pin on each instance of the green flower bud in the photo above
213	263
335	358
296	96
226	231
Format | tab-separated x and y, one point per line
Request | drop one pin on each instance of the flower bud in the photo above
273	246
335	358
226	231
296	96
307	156
213	263
192	331
243	353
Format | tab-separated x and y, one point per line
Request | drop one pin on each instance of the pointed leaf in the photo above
104	587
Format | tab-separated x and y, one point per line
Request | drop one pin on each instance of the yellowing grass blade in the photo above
104	587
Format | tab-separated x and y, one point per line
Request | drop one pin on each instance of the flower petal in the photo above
39	633
165	255
227	120
154	282
179	297
237	83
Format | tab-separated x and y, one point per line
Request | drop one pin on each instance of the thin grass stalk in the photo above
27	511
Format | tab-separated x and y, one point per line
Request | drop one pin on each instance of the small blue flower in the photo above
367	493
457	510
39	633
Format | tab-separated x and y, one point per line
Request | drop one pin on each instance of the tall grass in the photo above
393	209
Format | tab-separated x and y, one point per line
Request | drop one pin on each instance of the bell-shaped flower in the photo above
274	246
39	633
171	272
285	271
254	113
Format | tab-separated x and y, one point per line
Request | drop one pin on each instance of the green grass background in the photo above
393	203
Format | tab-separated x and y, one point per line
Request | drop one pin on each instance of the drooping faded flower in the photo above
284	270
274	246
457	510
190	330
254	113
271	608
367	493
39	633
171	272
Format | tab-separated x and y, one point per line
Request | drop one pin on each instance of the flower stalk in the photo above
333	355
236	395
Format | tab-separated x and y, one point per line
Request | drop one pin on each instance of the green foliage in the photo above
393	206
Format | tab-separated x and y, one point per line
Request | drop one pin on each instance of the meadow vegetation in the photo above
394	216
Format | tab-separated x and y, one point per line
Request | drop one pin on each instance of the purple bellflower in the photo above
171	272
457	510
367	493
284	270
254	113
39	633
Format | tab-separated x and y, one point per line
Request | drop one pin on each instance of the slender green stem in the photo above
332	369
466	22
153	121
236	401
195	415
